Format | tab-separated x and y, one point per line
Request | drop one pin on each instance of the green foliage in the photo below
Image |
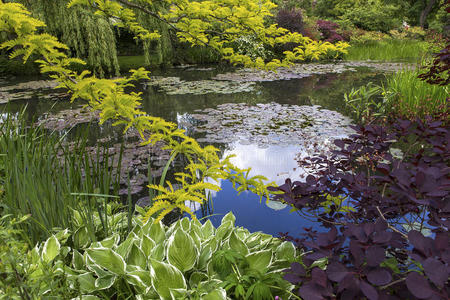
187	260
365	102
403	95
411	97
44	178
387	50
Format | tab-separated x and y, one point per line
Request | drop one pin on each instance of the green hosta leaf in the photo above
253	240
77	260
285	251
207	230
105	282
111	241
321	263
140	278
219	294
51	249
86	282
224	231
97	270
158	252
124	248
86	297
185	224
137	257
229	217
165	277
196	238
81	237
196	278
204	257
108	259
237	245
181	251
260	260
178	293
157	232
147	244
212	243
62	235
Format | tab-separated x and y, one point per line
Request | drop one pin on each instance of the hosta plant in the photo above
187	260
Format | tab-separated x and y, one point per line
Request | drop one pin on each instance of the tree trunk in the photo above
425	12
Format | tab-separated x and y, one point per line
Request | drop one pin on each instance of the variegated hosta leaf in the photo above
108	259
285	251
51	249
237	245
165	277
218	294
260	260
182	251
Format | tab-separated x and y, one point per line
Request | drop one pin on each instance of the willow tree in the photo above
213	23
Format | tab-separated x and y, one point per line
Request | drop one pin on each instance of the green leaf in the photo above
51	249
204	257
124	248
237	245
165	277
181	251
105	282
158	252
229	217
285	251
86	297
224	231
196	278
108	259
260	260
157	233
77	260
178	293
320	263
139	278
111	241
207	230
185	224
147	244
219	294
86	281
137	257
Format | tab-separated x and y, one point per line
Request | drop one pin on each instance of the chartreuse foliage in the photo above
218	24
187	260
108	96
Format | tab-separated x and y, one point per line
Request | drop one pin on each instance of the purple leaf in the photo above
310	291
369	291
436	271
418	286
379	276
336	271
375	255
319	277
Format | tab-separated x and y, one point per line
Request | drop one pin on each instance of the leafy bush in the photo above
395	244
185	260
328	31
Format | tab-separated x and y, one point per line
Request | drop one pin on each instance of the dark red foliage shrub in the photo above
377	251
292	19
329	31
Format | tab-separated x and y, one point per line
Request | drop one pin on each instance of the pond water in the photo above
288	108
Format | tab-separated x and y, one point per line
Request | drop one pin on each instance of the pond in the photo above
267	120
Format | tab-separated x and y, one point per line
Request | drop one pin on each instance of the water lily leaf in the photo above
181	251
108	259
276	205
165	277
51	249
259	260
